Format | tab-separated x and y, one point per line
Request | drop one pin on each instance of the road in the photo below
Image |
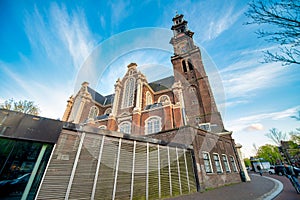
288	192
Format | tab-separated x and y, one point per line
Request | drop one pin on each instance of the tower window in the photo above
191	67
205	126
184	66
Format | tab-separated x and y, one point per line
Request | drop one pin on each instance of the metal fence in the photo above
95	166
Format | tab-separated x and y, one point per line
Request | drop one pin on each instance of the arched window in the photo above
192	89
129	93
107	111
191	67
125	127
102	127
93	112
164	99
130	72
184	66
152	125
148	98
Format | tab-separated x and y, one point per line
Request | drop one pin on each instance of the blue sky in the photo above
47	46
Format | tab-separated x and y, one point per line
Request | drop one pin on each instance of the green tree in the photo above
269	153
25	106
247	162
282	26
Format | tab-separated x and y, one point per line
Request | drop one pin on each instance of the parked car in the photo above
271	170
279	170
14	185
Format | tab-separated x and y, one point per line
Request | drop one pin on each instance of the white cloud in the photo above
246	122
244	78
119	11
59	36
255	51
255	127
60	42
222	22
51	99
208	19
147	61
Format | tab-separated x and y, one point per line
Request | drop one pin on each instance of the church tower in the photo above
199	107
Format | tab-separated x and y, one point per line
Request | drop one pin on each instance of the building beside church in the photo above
145	141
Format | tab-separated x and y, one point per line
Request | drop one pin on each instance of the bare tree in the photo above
25	106
283	23
276	135
296	117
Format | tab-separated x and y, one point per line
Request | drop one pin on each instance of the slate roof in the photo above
105	116
162	84
103	100
155	105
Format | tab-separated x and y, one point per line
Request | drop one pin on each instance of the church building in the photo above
141	108
178	109
147	140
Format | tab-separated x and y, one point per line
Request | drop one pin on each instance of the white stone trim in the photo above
165	102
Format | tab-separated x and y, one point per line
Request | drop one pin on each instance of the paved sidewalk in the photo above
259	188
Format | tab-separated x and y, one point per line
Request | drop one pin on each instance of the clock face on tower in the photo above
181	48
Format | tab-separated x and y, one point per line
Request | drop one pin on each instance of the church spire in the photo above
199	104
180	26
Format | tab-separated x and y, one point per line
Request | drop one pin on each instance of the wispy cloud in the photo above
147	61
50	99
208	25
246	122
244	78
119	11
222	22
60	42
254	127
57	34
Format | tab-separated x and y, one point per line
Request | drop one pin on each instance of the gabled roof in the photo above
159	85
103	100
162	84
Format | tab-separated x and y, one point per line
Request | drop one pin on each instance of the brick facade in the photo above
202	141
178	109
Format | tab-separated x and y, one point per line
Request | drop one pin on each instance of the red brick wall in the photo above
208	142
